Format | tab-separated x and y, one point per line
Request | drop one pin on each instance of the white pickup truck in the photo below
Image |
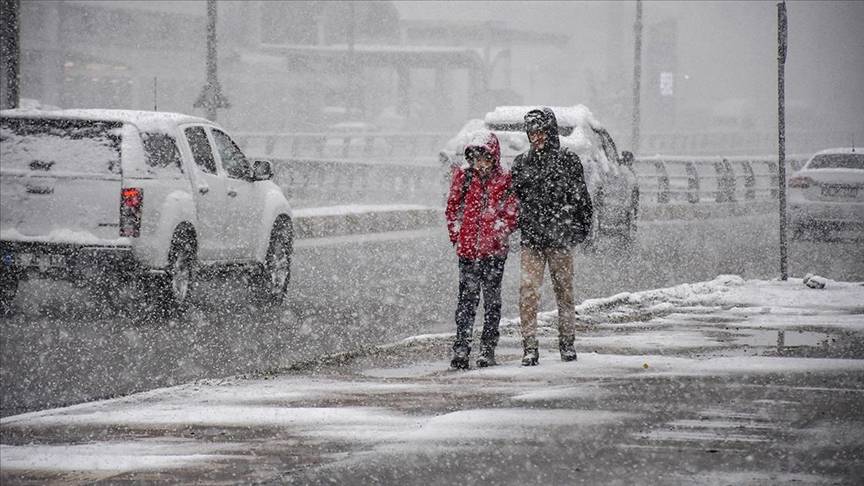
120	197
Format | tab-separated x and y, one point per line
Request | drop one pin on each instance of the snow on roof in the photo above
144	120
841	150
514	142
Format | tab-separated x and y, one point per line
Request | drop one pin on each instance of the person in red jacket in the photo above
481	214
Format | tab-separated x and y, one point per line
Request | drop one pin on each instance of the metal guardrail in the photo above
691	180
380	147
675	180
423	147
320	182
327	169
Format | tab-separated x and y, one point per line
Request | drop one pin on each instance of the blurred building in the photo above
284	66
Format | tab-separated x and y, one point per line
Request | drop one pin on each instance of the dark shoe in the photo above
531	355
460	359
565	345
487	357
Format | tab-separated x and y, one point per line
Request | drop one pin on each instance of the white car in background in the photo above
827	194
114	198
612	183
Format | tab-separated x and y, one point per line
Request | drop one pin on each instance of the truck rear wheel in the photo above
171	291
271	281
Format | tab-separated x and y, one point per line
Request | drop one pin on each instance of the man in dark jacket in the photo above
555	214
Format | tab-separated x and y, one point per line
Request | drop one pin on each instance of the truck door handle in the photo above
203	189
232	193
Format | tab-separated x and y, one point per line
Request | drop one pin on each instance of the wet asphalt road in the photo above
399	417
64	346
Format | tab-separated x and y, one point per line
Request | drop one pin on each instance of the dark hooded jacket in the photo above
481	209
555	208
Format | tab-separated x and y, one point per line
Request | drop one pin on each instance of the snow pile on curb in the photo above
645	303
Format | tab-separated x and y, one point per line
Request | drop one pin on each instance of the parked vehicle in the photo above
827	194
115	197
611	180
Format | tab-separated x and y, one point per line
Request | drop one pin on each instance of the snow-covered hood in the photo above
485	140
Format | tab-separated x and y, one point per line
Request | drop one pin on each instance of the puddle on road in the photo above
805	344
787	342
785	339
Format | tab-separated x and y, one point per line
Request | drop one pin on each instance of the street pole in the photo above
10	53
637	76
781	130
211	96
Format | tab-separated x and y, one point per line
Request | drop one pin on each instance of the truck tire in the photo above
271	280
170	292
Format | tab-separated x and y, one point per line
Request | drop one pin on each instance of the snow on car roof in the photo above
145	120
569	116
840	150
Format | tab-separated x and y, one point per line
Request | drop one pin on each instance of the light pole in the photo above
10	53
637	76
781	129
211	96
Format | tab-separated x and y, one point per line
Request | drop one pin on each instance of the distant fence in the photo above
663	181
691	180
318	182
423	147
327	169
381	147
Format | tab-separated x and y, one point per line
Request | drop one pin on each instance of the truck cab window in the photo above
161	151
201	150
233	161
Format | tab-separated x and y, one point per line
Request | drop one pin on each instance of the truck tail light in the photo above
131	201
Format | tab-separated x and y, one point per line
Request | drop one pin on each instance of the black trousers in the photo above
476	276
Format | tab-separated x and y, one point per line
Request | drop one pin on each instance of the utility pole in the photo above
211	96
637	76
10	53
781	129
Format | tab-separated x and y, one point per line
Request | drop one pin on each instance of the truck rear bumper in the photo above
66	261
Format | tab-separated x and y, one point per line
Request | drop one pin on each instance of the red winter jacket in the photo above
480	221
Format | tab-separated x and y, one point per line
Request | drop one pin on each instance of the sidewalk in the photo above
720	382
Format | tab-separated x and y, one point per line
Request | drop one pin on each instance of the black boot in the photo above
460	358
487	356
565	345
531	355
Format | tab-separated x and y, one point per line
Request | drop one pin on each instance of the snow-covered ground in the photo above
754	373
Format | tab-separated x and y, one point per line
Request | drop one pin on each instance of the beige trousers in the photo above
533	264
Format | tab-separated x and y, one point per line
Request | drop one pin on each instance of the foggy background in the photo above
430	66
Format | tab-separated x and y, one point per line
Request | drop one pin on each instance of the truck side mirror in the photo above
262	170
627	158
